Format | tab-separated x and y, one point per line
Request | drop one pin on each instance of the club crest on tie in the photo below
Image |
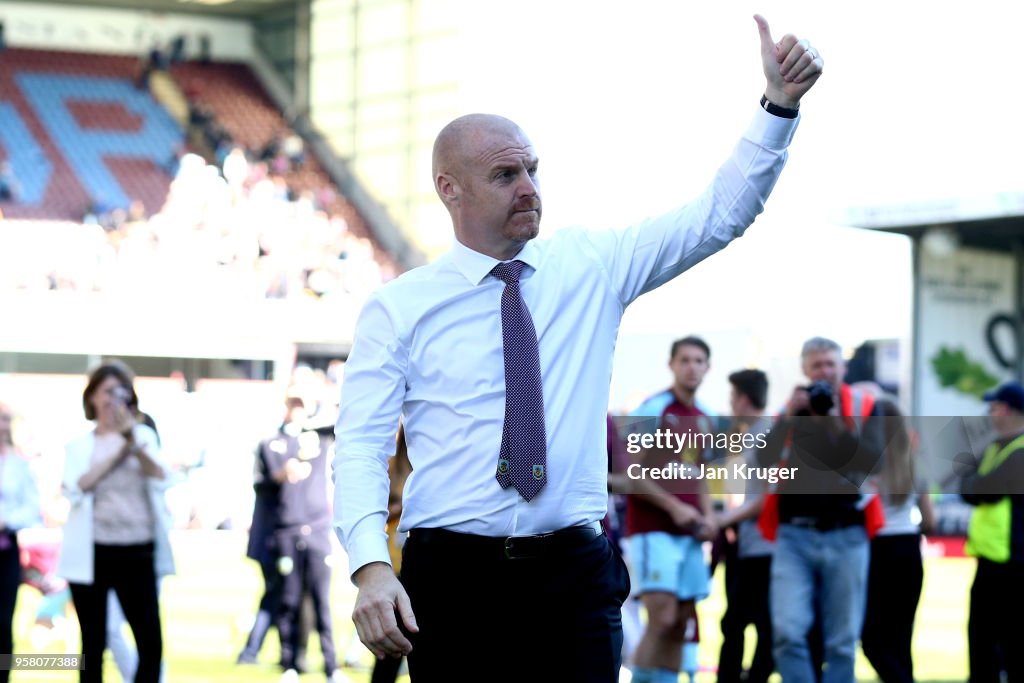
503	466
538	472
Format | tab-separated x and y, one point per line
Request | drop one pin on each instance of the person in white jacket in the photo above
116	534
19	509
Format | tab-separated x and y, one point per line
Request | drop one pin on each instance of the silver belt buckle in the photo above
510	543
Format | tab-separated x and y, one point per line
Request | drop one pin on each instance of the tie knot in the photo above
509	272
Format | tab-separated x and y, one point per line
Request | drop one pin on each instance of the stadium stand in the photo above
77	133
233	97
230	195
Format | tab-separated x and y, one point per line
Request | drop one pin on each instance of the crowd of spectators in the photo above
233	227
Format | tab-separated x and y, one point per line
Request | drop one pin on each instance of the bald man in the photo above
498	357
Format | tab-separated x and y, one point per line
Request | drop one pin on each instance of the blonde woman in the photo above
19	508
116	534
896	569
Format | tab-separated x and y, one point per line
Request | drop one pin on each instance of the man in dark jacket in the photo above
263	544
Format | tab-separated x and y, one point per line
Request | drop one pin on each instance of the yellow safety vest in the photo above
988	535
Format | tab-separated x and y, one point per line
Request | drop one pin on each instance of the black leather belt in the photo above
511	547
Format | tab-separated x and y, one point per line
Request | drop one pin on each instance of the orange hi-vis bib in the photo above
855	407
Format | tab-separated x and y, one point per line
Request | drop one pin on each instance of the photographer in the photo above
819	518
116	531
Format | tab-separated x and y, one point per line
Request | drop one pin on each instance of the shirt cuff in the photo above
365	547
773	132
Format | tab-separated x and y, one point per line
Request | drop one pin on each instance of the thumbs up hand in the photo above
791	66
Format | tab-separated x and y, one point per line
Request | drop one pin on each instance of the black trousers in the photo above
747	583
895	575
270	604
995	631
311	574
386	670
10	579
484	617
129	570
266	616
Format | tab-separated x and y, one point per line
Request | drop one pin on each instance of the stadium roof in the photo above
994	221
220	8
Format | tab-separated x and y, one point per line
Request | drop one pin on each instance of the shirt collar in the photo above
476	266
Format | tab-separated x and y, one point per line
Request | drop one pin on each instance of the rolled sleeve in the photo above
372	397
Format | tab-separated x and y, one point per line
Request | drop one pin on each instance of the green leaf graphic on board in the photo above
954	369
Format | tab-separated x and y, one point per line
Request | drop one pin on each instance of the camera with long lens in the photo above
820	398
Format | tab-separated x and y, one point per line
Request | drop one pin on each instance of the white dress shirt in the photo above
428	347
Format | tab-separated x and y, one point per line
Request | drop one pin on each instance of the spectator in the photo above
116	533
748	569
153	61
896	568
295	462
19	508
266	241
126	657
263	548
271	148
236	168
176	53
294	149
205	48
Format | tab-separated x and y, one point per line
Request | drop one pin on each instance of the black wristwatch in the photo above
776	110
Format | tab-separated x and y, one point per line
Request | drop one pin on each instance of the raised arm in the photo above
146	448
648	254
87	482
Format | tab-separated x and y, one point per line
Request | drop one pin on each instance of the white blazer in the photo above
77	562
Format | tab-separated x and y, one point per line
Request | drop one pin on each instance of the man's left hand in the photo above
791	66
